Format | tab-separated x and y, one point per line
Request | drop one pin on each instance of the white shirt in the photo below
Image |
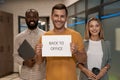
94	54
37	72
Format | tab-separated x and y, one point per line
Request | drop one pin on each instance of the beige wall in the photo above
18	8
69	2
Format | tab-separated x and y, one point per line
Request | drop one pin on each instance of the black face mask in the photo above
32	27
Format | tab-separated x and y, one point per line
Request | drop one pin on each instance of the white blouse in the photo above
94	54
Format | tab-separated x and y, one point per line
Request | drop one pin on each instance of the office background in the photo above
79	12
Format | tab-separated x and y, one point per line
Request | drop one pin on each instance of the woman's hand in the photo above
89	74
101	74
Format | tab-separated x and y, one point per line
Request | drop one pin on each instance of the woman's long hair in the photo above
87	32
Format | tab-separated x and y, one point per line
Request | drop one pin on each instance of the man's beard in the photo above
32	27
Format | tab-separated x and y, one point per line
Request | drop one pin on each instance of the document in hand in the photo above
56	46
26	51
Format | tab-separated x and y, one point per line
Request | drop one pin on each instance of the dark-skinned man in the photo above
30	70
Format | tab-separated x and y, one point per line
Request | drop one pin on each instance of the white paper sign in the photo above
56	45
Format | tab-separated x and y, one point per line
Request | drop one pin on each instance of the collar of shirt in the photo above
35	31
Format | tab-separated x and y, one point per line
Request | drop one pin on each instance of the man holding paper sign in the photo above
56	45
61	67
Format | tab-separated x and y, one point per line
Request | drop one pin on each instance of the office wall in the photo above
111	25
69	2
18	8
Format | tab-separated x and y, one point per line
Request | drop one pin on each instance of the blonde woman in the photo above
98	53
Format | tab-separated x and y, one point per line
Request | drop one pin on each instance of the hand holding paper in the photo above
38	51
56	45
74	48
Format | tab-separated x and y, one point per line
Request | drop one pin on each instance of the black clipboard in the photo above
26	51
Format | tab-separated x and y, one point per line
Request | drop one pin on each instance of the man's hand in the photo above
29	63
38	56
38	49
74	48
80	56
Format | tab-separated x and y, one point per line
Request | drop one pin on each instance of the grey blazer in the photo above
105	60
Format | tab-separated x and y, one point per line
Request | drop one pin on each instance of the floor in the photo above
11	77
15	76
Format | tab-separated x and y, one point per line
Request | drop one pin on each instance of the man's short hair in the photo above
31	10
60	7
